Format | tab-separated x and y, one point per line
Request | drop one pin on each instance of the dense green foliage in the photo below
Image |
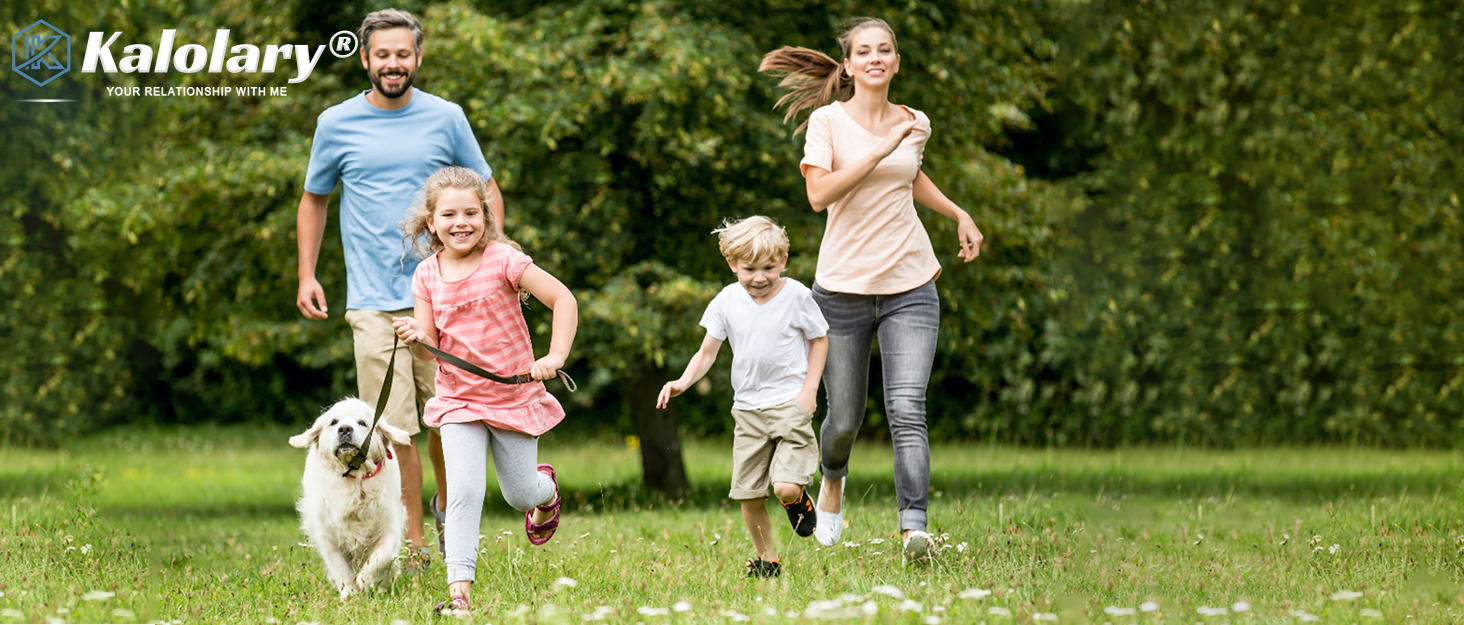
1211	222
1272	248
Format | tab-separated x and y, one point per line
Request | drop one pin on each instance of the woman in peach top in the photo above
876	267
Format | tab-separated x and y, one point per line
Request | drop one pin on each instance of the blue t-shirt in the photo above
382	159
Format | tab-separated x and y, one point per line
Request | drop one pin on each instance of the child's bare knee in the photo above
787	492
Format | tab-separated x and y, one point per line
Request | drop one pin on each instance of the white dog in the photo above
355	521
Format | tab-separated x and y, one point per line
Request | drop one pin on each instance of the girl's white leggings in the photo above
465	447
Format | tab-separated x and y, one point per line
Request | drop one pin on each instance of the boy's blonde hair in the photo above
414	228
751	239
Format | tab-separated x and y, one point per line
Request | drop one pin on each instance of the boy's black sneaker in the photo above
759	567
801	516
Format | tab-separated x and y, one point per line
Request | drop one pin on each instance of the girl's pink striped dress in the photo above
479	319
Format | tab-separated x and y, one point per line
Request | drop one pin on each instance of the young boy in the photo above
778	352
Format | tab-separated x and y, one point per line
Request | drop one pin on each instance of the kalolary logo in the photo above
41	53
190	58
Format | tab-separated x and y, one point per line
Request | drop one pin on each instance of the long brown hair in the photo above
414	228
811	78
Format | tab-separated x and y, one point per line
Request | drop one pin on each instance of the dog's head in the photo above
341	431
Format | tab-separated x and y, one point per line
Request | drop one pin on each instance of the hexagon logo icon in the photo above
41	53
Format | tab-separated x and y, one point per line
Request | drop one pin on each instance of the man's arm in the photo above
495	203
309	232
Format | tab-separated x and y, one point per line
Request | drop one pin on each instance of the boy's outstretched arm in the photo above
695	369
818	354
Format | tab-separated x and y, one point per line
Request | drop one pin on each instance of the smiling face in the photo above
758	277
872	59
391	61
458	221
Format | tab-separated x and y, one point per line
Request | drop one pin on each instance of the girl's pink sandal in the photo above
546	528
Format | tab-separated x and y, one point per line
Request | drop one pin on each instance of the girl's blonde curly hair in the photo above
418	238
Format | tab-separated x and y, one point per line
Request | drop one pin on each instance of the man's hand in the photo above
311	299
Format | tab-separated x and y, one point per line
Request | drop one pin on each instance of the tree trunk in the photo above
660	440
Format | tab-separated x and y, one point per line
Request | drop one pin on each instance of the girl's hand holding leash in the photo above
671	389
547	367
406	329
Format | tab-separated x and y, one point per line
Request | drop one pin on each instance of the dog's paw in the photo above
349	589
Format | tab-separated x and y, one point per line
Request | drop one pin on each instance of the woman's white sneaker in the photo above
830	524
917	546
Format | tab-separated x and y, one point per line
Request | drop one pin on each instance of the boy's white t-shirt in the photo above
769	341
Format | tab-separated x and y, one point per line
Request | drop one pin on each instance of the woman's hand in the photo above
970	237
546	367
406	329
894	137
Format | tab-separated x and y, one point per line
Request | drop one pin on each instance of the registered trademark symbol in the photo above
343	44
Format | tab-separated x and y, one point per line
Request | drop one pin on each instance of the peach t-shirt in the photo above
479	319
874	242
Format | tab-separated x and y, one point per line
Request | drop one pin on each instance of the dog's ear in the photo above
393	435
306	438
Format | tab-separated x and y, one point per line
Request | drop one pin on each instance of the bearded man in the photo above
382	145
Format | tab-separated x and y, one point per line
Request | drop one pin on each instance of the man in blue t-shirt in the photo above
382	145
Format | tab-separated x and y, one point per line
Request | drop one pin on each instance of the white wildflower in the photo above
12	613
1148	606
869	608
850	544
1117	611
997	610
1209	611
961	548
1044	616
888	591
1240	606
737	617
85	549
876	541
599	614
932	620
1333	549
1303	616
910	605
1371	613
565	581
680	606
1346	595
770	611
98	595
650	611
973	593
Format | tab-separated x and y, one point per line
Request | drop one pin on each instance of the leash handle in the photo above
360	458
522	377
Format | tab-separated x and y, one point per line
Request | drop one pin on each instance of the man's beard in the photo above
376	82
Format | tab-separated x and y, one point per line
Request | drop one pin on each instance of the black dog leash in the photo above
518	378
360	458
523	377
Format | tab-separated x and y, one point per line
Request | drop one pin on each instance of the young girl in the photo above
468	305
876	266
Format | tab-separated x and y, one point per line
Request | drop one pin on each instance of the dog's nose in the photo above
347	430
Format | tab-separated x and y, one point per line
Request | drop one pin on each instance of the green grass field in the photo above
197	525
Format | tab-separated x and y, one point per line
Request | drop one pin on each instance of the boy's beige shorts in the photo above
413	383
772	445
